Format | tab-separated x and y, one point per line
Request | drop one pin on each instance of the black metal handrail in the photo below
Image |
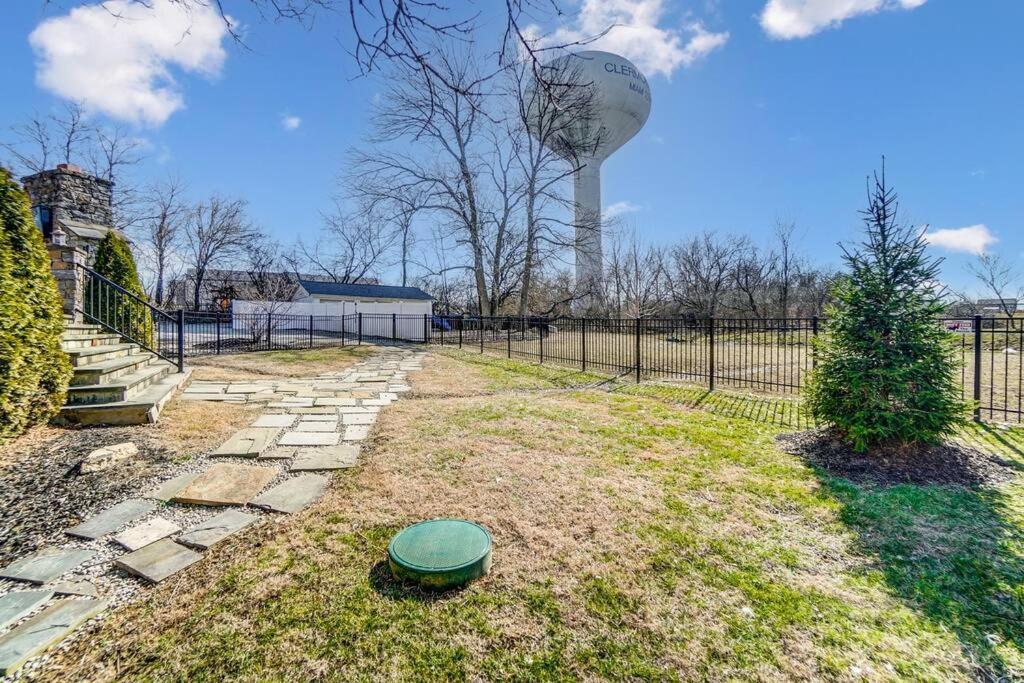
130	316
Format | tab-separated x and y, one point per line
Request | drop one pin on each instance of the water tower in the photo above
619	104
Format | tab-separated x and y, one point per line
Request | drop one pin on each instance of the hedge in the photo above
34	370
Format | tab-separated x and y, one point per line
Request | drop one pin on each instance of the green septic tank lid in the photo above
440	553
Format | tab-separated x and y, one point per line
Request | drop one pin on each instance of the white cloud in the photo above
621	208
974	239
788	19
638	33
116	57
290	122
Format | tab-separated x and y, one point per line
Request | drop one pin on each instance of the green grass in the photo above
676	544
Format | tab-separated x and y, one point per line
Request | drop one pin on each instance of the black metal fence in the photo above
773	355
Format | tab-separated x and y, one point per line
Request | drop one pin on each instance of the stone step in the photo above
98	354
142	409
44	630
81	328
122	389
105	372
69	342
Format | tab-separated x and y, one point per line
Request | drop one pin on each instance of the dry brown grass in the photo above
632	541
285	363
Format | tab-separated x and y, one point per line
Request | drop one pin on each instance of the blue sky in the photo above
762	109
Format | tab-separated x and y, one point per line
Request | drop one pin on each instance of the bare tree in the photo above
444	124
72	132
635	284
786	264
1001	279
701	270
62	138
32	145
159	233
753	275
545	135
217	229
354	245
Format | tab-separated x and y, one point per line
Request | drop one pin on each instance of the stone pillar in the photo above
64	261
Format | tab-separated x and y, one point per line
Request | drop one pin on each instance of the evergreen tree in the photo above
34	371
886	371
115	262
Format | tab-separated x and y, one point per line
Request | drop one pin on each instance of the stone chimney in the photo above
70	201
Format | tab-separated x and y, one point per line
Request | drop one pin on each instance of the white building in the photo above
345	299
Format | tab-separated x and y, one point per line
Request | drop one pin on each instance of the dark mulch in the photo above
43	491
950	463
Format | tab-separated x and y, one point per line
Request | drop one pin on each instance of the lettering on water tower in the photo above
637	82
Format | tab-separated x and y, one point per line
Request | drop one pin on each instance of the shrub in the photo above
115	262
886	372
34	371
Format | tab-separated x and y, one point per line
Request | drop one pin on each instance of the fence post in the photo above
461	325
540	333
217	323
711	354
311	331
359	328
269	330
638	350
426	329
508	330
481	334
814	333
181	340
394	327
977	368
583	339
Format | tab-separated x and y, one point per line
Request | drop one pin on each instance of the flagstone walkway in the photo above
276	466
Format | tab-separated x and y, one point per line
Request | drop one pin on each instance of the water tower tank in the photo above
621	103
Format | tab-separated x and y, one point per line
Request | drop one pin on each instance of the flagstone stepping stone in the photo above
358	419
171	487
322	410
317	426
356	432
274	421
45	629
226	484
335	402
157	561
84	588
399	388
148	532
246	389
283	404
216	529
330	458
248	442
377	401
16	604
197	388
310	439
212	397
358	410
293	494
112	519
46	565
299	401
333	417
277	453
